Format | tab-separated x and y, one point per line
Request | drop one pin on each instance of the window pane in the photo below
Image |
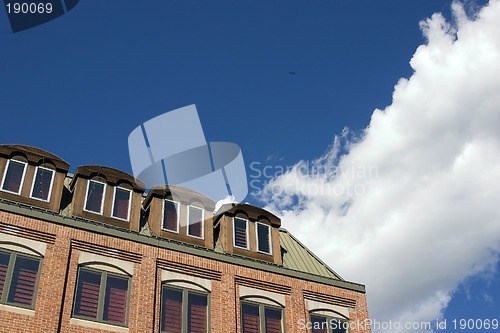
121	204
197	313
240	233
319	325
13	177
22	286
273	320
4	265
115	303
263	236
171	311
87	294
195	222
170	216
42	183
250	318
94	197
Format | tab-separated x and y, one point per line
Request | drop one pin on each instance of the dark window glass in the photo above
171	321
13	177
183	311
319	325
95	195
170	215
240	233
195	226
4	266
273	320
101	296
197	313
121	203
263	238
18	273
42	184
22	286
87	294
250	318
115	304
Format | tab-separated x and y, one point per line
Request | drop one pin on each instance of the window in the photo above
327	324
95	196
240	234
195	222
42	184
18	279
121	203
101	296
13	177
170	216
263	238
260	318
183	311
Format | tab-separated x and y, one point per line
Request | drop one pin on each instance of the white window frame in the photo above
247	236
22	178
129	203
202	222
87	195
268	236
177	209
50	186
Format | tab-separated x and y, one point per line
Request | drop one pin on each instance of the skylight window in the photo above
195	222
121	203
263	238
42	184
240	234
95	196
14	176
170	216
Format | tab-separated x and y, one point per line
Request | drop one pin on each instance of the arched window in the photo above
102	294
19	274
184	308
328	322
259	317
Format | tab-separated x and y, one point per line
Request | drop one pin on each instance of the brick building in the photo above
91	252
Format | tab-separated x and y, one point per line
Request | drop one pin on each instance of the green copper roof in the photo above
299	258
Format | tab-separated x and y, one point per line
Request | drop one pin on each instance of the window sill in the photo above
101	326
15	309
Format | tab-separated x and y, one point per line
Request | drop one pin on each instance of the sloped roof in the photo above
298	257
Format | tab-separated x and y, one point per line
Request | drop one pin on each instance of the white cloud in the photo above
412	208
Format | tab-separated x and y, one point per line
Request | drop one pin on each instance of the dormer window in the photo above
42	184
170	216
240	234
121	203
195	222
94	199
263	237
14	176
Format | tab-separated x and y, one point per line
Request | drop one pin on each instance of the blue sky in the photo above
280	79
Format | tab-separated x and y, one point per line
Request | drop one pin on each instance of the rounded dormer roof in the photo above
34	155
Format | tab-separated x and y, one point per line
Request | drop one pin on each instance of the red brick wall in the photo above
59	271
